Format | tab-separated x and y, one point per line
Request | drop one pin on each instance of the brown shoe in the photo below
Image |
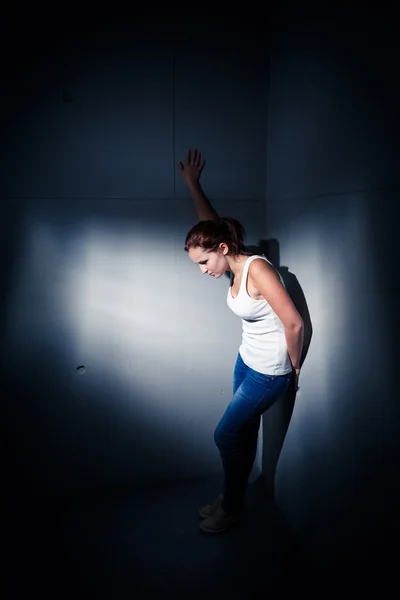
218	522
208	509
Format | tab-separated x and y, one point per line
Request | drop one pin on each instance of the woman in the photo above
269	355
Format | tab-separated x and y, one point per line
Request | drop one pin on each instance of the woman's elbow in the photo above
295	325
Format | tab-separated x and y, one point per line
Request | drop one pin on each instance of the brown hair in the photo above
208	235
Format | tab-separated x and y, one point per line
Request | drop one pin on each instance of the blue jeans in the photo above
237	432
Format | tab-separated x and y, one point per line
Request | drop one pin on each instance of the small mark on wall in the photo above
81	369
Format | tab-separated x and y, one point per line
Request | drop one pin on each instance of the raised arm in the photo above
190	173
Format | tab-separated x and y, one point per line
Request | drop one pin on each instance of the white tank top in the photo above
263	347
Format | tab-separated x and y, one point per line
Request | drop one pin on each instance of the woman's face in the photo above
211	263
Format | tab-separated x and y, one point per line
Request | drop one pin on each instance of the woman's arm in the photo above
269	285
190	173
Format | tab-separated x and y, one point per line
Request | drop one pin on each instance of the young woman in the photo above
269	355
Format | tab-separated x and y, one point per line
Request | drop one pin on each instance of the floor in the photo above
146	542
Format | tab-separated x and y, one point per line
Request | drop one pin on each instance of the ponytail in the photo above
210	234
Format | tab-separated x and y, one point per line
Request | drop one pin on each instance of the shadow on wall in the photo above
277	418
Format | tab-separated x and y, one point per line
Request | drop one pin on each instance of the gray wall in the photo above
332	207
94	274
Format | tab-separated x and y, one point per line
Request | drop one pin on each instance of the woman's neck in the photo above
236	263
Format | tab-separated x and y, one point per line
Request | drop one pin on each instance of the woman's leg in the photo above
237	432
239	373
251	439
250	444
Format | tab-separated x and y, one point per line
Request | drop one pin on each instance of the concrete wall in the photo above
94	275
117	354
332	206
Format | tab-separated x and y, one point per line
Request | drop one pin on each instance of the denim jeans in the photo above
237	432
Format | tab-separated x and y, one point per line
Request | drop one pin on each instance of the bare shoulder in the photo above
266	280
261	268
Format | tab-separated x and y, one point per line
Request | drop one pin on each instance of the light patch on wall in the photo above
127	304
129	299
324	252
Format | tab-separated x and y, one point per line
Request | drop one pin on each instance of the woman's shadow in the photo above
277	418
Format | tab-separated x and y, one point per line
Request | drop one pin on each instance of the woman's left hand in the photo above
296	375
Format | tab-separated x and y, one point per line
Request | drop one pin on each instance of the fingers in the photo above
193	159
